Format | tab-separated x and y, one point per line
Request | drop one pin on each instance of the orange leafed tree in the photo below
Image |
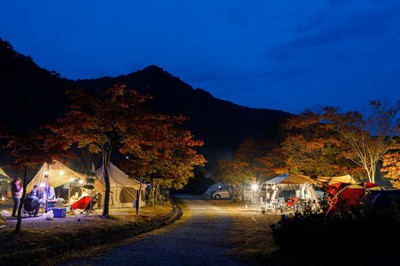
166	155
116	119
102	122
350	141
391	167
312	147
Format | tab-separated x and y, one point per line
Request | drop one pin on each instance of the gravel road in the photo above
196	239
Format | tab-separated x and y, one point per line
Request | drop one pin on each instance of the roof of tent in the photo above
59	174
291	179
3	175
277	179
337	179
298	179
118	178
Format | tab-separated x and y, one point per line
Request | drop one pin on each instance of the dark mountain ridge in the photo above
35	95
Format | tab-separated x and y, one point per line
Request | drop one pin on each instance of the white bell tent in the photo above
123	189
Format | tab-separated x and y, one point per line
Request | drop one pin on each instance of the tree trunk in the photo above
138	195
106	160
19	218
151	194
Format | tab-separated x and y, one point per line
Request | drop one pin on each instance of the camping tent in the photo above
287	187
336	179
58	174
123	189
5	187
345	196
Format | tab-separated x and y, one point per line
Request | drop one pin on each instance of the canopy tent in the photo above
124	190
289	187
296	179
5	187
277	179
57	174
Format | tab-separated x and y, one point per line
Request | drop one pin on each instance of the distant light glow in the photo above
42	185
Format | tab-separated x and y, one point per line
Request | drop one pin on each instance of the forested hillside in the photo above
33	95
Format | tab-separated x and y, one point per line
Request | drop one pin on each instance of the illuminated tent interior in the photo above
57	174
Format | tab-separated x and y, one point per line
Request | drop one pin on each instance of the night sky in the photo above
279	54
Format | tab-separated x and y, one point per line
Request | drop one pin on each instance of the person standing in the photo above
49	196
16	190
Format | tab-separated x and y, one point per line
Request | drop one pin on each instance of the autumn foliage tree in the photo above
100	122
116	119
313	147
367	138
334	140
391	166
236	173
166	156
264	157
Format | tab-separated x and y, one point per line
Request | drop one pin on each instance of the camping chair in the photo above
85	206
292	204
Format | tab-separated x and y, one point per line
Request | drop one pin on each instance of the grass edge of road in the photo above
89	240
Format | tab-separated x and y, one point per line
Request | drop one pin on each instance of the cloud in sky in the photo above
287	55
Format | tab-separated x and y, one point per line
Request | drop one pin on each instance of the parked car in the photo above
222	192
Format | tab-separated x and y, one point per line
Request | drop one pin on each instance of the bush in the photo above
371	232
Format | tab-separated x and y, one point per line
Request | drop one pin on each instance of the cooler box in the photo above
59	212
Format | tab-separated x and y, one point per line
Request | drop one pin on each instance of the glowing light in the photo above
61	172
3	198
46	174
42	185
71	179
254	186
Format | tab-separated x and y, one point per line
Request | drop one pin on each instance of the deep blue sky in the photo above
278	54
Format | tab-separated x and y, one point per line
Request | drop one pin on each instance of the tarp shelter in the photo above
123	189
5	182
57	174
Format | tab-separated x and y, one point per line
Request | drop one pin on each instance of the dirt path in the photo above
198	238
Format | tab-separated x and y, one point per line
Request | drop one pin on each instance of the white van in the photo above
222	192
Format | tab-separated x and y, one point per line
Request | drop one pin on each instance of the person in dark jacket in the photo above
16	190
32	202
